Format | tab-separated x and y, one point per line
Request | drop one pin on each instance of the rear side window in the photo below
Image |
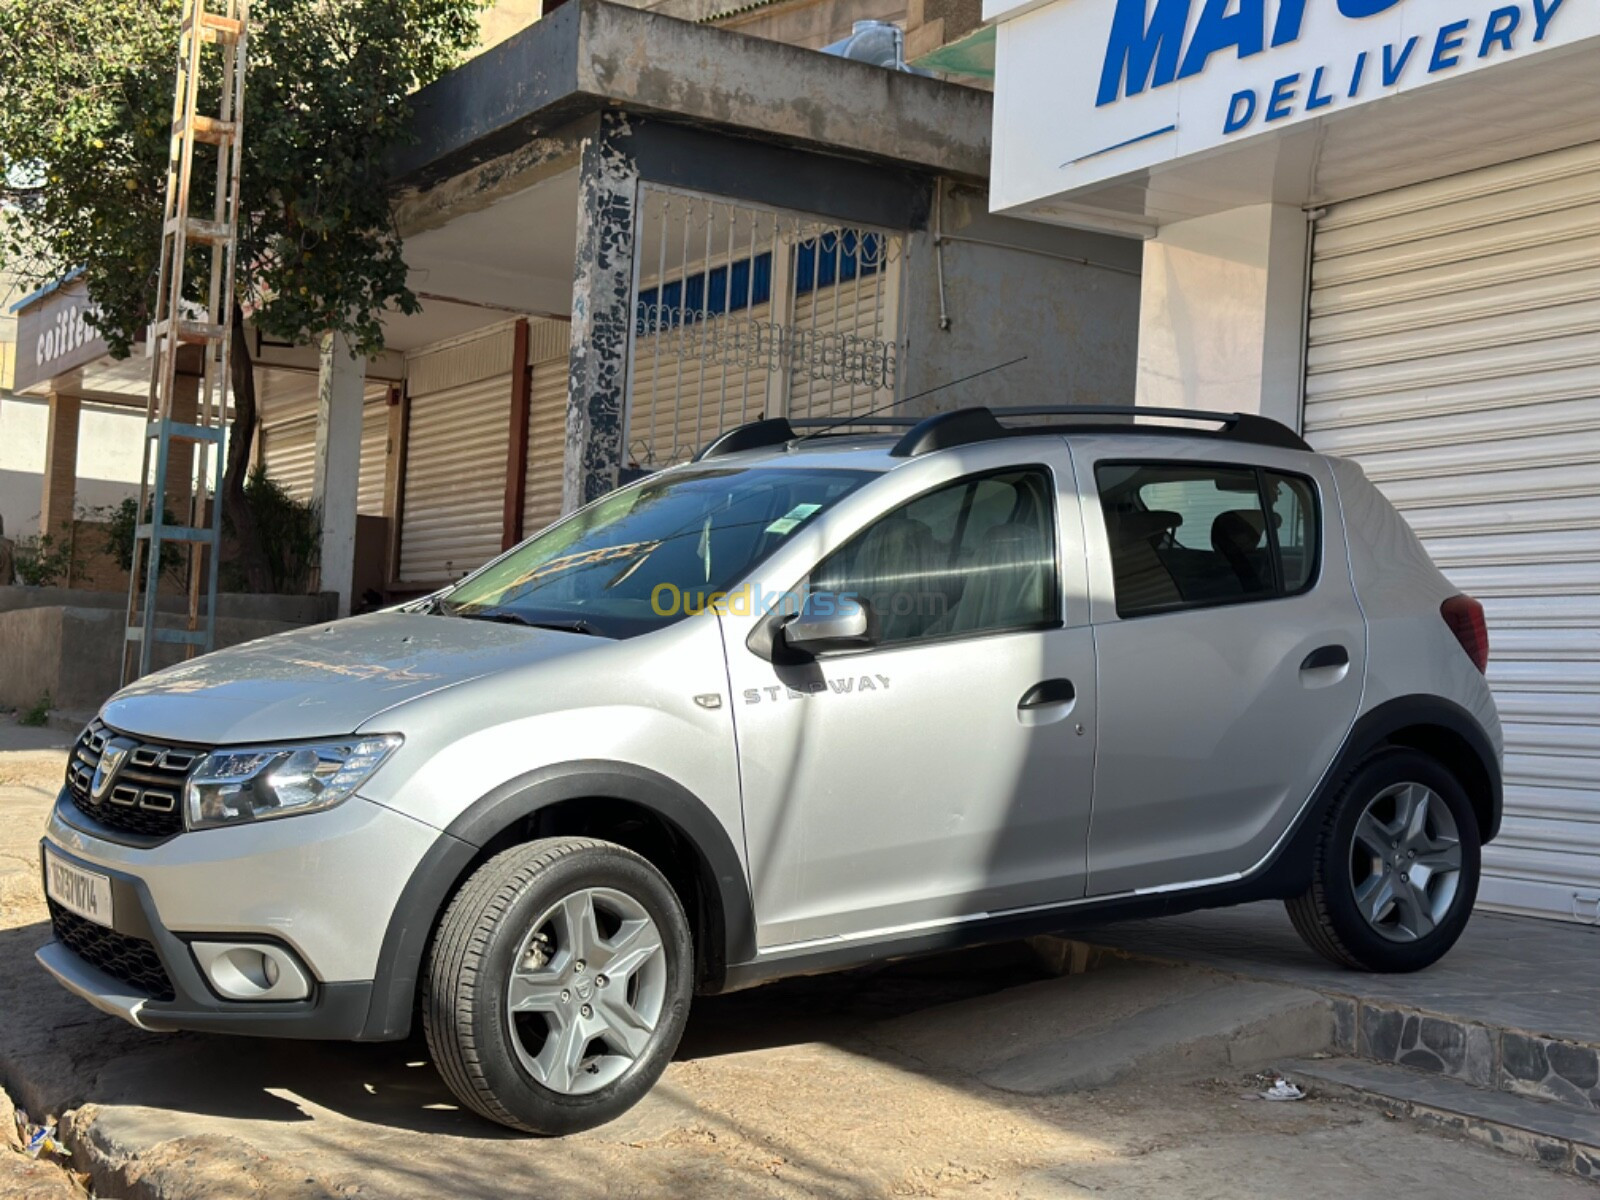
1294	523
1190	535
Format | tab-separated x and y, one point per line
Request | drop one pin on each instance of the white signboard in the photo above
1090	90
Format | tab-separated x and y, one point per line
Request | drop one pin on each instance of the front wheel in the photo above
558	985
1396	869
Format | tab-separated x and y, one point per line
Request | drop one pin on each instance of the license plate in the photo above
77	890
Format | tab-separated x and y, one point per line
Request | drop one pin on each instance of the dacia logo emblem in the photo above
111	760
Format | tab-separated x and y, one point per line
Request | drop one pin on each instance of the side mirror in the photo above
830	621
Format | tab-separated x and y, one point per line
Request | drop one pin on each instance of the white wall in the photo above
109	456
1220	313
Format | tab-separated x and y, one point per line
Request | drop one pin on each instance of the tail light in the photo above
1464	615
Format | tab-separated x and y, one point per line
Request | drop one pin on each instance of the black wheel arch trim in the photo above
1393	717
422	900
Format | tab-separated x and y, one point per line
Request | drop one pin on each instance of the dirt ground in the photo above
799	1089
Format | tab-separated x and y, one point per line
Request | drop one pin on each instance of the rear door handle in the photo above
1326	656
1051	691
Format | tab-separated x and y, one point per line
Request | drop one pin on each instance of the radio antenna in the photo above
872	412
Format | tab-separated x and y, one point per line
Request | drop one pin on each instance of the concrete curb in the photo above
24	1178
1549	1134
1476	1053
182	1168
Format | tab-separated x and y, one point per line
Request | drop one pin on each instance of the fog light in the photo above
252	971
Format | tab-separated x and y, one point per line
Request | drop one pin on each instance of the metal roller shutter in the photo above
374	455
856	307
1454	351
289	445
547	443
680	400
455	480
289	452
288	433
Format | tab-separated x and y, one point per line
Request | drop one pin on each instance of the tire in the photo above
558	1066
1367	845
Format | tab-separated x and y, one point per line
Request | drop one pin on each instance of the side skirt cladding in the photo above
726	918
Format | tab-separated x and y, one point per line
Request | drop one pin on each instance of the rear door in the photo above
1231	652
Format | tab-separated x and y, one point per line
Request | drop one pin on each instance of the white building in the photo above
1378	221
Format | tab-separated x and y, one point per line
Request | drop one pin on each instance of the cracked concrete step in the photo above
1122	1021
1515	1007
1564	1136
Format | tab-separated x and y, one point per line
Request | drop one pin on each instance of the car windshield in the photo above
647	556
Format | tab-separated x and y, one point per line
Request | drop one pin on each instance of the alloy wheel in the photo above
587	990
1405	861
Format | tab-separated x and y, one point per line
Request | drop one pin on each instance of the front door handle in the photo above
1051	691
1326	656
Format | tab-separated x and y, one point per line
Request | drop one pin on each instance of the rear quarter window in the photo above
1193	535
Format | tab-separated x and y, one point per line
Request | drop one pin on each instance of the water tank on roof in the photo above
881	43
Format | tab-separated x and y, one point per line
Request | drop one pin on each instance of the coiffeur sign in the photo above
1112	86
54	336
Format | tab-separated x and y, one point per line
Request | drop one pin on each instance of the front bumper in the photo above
322	885
335	1011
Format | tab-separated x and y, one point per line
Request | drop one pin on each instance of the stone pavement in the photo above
1515	1006
1540	977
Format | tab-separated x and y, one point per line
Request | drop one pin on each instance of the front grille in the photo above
128	960
145	792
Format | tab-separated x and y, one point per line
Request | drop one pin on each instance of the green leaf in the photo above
86	91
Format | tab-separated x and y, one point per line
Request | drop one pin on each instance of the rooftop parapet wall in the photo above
590	55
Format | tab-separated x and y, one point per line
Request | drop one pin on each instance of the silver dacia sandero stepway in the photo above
808	701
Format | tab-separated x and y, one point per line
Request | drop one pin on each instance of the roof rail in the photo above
772	431
777	431
964	426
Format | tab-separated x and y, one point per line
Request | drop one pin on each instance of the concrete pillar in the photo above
1221	313
602	312
60	465
336	473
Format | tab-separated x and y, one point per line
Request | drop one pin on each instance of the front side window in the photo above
1188	535
646	556
972	557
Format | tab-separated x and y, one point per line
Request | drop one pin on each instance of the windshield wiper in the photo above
505	616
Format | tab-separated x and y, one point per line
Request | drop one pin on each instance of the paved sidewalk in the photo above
1537	977
24	737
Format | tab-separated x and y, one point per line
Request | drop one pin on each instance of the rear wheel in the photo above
1396	869
558	985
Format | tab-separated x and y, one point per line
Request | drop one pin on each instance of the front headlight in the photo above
257	783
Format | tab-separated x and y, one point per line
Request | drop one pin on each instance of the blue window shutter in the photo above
763	270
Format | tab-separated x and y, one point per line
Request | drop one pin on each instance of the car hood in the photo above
325	680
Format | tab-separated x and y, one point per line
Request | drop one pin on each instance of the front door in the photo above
944	772
1231	653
